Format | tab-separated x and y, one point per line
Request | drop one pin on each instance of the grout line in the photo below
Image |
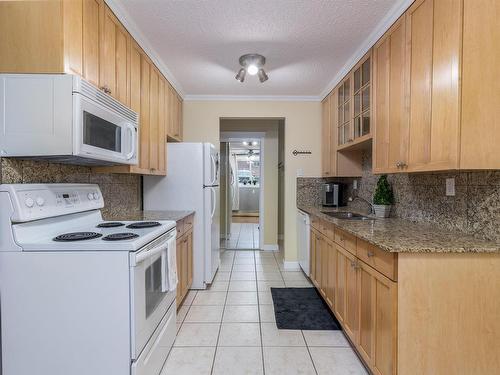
222	317
308	351
260	320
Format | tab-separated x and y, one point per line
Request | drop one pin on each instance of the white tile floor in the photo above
230	328
243	236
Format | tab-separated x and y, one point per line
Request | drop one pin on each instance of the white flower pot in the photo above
382	210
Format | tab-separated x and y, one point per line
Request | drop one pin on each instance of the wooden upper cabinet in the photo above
115	45
153	119
326	144
174	130
480	121
361	91
31	37
73	36
162	125
92	13
433	34
390	98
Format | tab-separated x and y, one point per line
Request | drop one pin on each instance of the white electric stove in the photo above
79	295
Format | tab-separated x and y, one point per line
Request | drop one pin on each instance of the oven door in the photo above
151	295
102	134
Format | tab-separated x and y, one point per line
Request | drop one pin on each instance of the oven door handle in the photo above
148	254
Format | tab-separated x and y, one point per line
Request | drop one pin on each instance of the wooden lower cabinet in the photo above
362	298
404	312
184	254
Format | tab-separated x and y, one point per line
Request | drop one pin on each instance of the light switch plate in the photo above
355	184
300	172
450	187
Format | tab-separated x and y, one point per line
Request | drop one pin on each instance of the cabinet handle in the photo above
370	254
106	89
350	140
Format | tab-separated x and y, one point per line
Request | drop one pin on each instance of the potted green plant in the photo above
383	197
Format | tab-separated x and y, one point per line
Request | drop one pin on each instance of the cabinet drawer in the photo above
346	240
180	227
383	261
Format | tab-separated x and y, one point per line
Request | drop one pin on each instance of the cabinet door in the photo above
390	108
114	62
367	297
340	290
326	148
333	132
190	258
153	119
185	267
351	322
92	11
318	269
331	272
378	310
433	33
145	114
73	36
178	252
162	127
324	266
480	129
312	260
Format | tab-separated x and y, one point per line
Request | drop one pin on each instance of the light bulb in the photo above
245	143
252	69
254	143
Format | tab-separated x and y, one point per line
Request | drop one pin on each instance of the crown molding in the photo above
133	30
394	13
251	98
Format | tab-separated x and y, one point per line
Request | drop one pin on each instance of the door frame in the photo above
238	136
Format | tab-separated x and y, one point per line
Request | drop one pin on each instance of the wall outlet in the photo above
355	184
300	172
450	187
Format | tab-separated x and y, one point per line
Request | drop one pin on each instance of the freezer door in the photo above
212	232
211	165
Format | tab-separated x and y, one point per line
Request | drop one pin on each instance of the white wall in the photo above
302	132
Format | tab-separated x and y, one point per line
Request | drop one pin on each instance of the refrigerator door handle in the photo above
214	197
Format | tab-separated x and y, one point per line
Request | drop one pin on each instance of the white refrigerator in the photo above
192	183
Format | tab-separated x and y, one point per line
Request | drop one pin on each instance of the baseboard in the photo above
268	247
291	266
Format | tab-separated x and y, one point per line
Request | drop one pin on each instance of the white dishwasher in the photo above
303	240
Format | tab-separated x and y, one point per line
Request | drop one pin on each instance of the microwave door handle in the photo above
131	129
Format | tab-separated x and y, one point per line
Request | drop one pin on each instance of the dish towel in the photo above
169	265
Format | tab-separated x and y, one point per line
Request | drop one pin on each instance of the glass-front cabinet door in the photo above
361	91
344	112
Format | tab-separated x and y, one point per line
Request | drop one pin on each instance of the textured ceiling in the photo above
306	42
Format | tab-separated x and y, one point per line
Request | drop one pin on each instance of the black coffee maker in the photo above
332	195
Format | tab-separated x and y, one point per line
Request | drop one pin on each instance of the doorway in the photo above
241	175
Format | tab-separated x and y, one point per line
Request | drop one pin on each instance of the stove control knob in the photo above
40	201
29	202
96	196
90	196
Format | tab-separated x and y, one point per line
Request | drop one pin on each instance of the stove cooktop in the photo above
77	236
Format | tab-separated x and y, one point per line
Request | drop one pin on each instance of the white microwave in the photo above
63	118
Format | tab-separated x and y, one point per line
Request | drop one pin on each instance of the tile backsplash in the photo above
420	197
121	192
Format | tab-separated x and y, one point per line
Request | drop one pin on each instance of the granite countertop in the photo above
149	215
399	235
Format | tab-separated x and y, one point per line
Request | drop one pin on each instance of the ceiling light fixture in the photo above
252	64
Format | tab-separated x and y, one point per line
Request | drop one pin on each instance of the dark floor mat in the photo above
302	308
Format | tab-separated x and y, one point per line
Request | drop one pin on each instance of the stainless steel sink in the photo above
347	215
